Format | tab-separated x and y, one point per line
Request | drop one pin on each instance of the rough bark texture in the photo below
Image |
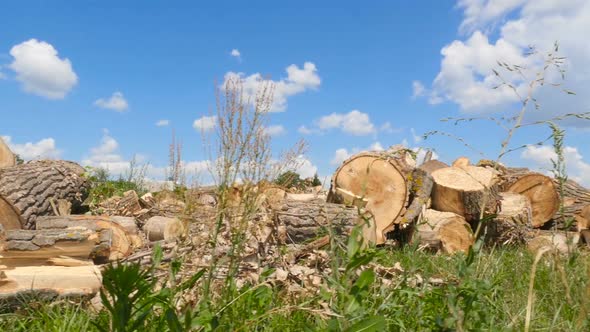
445	231
22	285
421	191
513	222
464	190
377	181
7	158
30	187
576	200
299	221
38	247
538	188
127	206
121	244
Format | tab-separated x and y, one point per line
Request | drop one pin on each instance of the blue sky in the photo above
88	81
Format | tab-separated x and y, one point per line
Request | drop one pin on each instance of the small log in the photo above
164	228
513	222
38	247
444	231
120	246
380	178
300	221
538	188
21	285
558	241
27	190
126	206
465	190
7	158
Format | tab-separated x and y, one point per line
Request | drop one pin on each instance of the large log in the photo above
21	285
377	180
27	190
513	223
300	221
576	205
538	188
39	247
465	191
121	244
7	158
444	231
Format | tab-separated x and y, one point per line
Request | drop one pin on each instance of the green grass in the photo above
490	294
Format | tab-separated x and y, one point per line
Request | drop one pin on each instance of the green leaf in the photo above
369	324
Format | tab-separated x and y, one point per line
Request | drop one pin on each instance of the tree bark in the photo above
444	231
576	206
513	223
121	244
27	190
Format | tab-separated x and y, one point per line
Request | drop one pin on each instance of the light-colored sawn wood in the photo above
445	231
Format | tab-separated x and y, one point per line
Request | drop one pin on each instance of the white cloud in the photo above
304	130
236	54
298	81
275	130
376	147
418	89
163	123
466	77
106	155
340	156
205	123
355	123
116	102
43	149
416	138
305	168
41	71
541	156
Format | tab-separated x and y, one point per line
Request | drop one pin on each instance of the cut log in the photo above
444	231
300	221
7	158
562	242
461	162
464	191
380	179
513	222
576	202
538	188
133	233
126	206
121	244
432	165
164	228
27	190
39	247
21	285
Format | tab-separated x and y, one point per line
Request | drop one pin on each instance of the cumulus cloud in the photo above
298	80
304	130
305	168
205	123
275	130
540	157
466	76
236	54
163	123
115	102
41	71
340	156
418	89
355	123
106	155
42	149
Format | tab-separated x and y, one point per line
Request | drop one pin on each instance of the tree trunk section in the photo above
576	206
22	285
121	245
380	180
444	231
464	191
538	188
29	189
7	158
513	222
300	221
163	228
38	247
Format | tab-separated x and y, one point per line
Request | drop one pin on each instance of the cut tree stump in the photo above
7	158
538	188
464	190
39	247
444	231
380	180
163	228
21	285
513	223
121	244
300	221
576	205
27	190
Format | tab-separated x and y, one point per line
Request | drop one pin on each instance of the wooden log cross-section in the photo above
444	231
27	190
376	181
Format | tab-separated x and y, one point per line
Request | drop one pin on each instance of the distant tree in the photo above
316	180
289	179
19	160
